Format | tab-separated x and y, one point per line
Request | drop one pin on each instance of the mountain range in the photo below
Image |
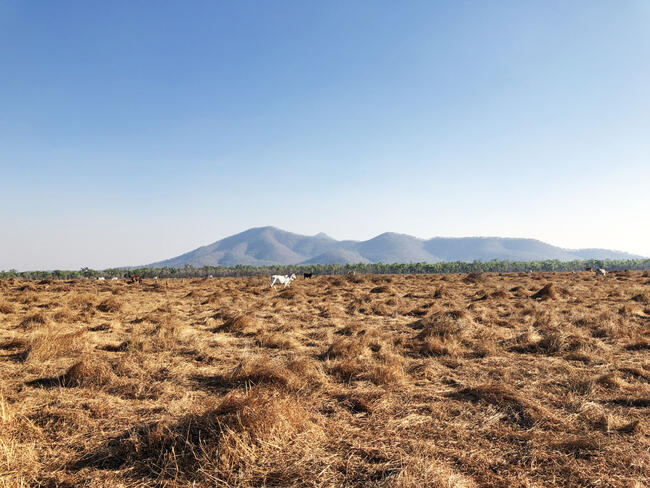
262	246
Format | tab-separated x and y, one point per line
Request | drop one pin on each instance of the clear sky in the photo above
133	131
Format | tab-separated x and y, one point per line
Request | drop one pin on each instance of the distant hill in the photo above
263	246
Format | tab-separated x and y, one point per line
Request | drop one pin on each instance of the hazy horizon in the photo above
134	132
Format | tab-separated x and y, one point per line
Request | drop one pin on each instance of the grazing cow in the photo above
114	278
601	272
307	275
588	268
135	279
101	278
282	279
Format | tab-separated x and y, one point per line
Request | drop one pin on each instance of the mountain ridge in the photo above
264	246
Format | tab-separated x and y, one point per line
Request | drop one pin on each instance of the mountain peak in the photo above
264	246
262	229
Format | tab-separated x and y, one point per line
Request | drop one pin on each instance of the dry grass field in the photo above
531	380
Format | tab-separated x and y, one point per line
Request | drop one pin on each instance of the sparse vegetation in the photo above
462	380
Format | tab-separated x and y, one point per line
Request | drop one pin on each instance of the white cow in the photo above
101	278
601	272
282	279
114	278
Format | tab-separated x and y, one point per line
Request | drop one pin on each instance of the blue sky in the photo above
133	131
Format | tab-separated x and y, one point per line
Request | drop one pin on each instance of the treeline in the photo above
334	269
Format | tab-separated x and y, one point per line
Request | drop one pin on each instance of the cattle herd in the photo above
287	279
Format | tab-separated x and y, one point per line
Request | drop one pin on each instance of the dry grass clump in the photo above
82	301
14	343
386	369
581	446
521	410
368	356
212	299
451	323
359	304
89	372
285	436
474	277
27	287
634	427
422	470
440	346
161	315
551	341
27	298
440	292
308	369
353	278
524	340
548	292
36	319
278	340
293	374
19	459
110	305
449	333
612	380
519	291
217	445
380	278
168	334
346	348
595	416
64	315
350	347
239	323
642	297
336	282
49	343
7	307
499	295
640	344
382	289
291	294
165	334
389	308
265	370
